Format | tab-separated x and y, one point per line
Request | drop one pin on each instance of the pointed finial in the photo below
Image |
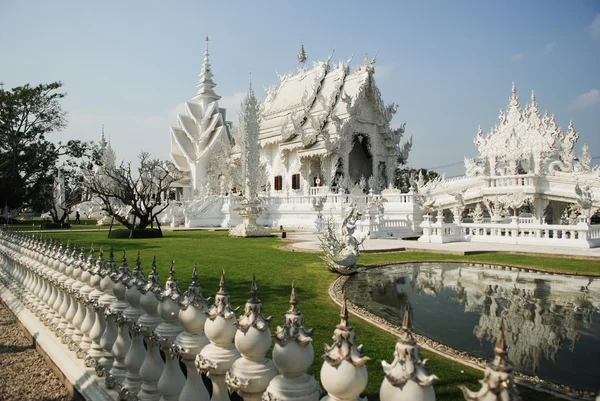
514	88
138	261
154	264
293	300
124	259
195	274
344	314
374	60
206	46
250	82
172	270
532	96
253	289
222	283
302	54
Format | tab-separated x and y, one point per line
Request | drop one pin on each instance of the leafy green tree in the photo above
27	159
402	178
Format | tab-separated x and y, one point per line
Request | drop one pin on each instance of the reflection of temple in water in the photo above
542	312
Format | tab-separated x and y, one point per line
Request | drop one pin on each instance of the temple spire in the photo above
302	55
103	140
206	84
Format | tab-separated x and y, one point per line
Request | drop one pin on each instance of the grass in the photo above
275	270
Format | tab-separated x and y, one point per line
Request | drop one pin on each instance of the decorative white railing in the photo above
520	231
512	181
117	321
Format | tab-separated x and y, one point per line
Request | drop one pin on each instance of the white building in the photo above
325	140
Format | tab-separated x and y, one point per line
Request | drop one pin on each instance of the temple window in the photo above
295	181
278	183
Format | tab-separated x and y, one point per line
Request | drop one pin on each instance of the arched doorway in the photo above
360	160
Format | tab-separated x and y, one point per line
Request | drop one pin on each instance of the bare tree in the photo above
123	193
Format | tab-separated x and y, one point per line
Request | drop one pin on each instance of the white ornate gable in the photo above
526	138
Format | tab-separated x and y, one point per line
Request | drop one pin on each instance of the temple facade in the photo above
325	142
526	186
320	127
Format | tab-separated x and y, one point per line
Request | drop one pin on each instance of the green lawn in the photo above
275	270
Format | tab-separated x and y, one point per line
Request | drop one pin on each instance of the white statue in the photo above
341	248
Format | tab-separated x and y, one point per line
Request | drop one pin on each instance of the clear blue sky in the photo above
448	64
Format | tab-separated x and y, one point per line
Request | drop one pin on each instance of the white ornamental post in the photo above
80	314
498	381
66	299
216	358
192	315
407	378
293	354
171	381
136	354
153	365
96	351
250	375
70	287
90	313
344	374
123	342
109	336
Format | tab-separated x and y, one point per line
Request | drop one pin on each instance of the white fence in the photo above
107	321
520	231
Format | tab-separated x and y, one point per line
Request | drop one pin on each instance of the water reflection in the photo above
551	321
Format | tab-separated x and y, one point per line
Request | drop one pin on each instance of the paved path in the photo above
309	242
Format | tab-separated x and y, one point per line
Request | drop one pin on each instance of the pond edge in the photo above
336	293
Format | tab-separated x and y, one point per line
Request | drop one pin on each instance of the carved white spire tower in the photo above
251	168
201	131
249	125
206	93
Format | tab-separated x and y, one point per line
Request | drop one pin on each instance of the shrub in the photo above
56	225
145	233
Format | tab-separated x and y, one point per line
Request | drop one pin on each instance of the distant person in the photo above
77	216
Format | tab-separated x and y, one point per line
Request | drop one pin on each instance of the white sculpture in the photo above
153	365
192	315
407	378
171	381
293	354
498	382
216	358
341	248
250	208
250	375
344	373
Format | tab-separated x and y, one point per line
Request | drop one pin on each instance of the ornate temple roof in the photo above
525	135
306	111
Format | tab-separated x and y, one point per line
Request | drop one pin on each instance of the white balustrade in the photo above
68	289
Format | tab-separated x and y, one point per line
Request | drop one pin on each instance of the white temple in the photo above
326	142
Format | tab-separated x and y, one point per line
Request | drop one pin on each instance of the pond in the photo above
552	322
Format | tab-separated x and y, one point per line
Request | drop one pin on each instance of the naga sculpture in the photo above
341	247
